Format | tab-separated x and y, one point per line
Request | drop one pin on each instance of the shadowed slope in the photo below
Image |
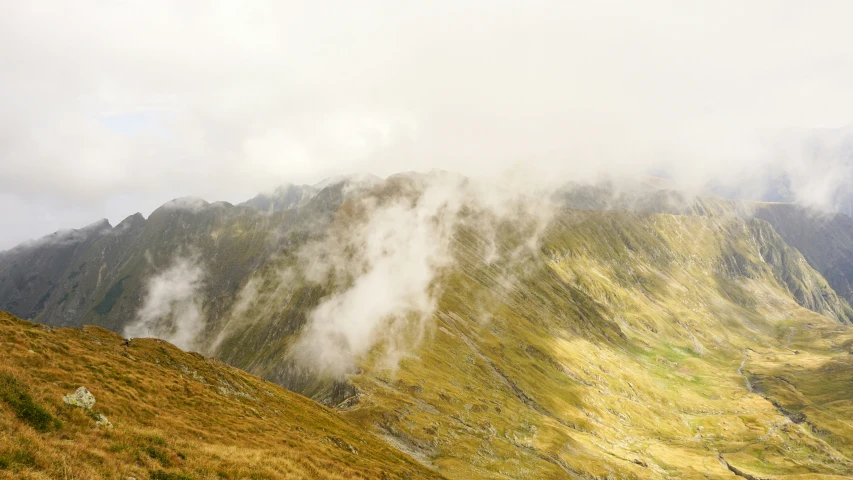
826	240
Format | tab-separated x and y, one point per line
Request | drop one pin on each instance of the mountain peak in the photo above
283	197
136	217
186	203
98	225
359	179
66	236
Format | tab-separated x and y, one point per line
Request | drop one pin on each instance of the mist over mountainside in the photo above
243	239
465	239
823	237
635	330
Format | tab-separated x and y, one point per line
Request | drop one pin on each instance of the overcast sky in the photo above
113	107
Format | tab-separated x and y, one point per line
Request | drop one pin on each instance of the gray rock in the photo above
103	421
81	398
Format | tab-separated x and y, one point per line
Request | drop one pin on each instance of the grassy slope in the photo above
825	239
176	415
614	350
807	376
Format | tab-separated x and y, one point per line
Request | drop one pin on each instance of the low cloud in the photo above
172	307
385	257
67	237
239	98
192	204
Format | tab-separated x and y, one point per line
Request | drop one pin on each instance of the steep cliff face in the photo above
825	240
82	283
804	283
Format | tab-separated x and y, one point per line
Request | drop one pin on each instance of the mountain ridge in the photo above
506	335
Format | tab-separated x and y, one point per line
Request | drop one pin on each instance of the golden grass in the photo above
617	350
176	415
598	361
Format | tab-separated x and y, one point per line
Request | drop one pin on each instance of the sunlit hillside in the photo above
478	332
172	416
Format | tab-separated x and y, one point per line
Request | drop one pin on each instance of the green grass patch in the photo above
14	393
158	455
17	458
161	475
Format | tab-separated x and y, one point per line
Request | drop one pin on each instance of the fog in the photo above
109	108
172	304
381	265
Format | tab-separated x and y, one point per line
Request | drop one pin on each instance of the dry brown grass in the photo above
176	415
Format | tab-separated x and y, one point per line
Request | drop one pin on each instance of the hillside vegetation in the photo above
519	340
614	347
617	353
174	415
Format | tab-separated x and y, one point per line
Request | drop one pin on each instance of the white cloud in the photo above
171	309
265	93
388	255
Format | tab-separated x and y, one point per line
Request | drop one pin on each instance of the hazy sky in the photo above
113	107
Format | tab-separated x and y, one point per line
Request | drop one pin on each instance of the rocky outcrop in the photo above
103	421
81	398
739	472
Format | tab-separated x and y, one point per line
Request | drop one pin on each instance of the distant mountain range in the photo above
610	330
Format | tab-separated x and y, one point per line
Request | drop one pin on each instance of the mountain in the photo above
486	333
285	197
168	415
825	239
102	276
29	272
614	347
288	197
357	181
